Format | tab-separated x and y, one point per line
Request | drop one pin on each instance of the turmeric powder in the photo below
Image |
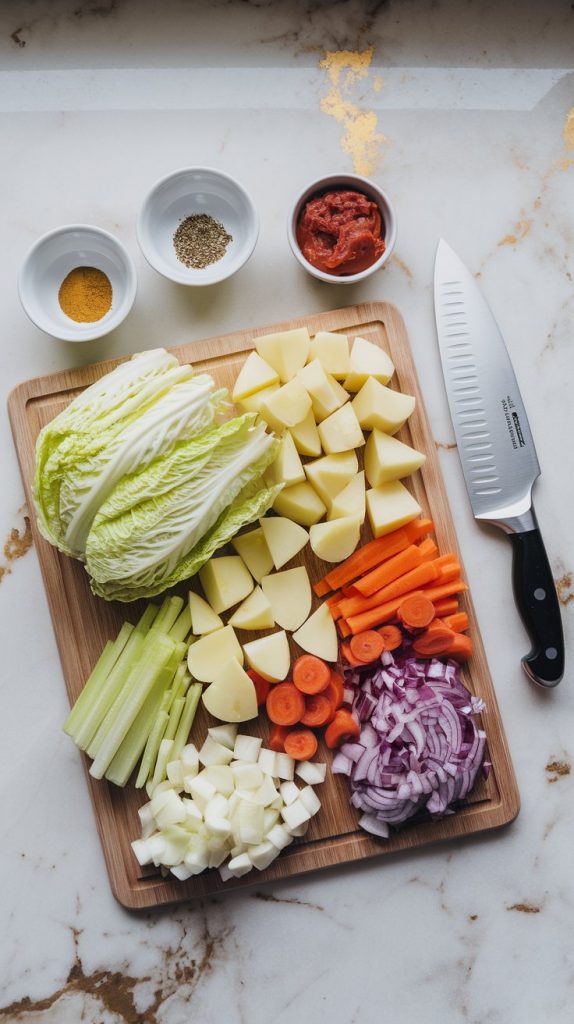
85	294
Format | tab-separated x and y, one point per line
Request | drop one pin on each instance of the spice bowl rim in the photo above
81	331
189	276
333	182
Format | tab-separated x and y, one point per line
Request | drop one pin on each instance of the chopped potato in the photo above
225	582
387	458
318	635
269	656
351	500
231	696
390	506
203	618
331	473
367	360
332	351
300	503
382	408
253	613
306	436
254	402
285	351
253	550
284	539
286	407
336	540
287	468
323	396
289	594
341	431
254	375
207	657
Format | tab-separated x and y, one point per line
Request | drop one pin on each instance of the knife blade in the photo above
497	451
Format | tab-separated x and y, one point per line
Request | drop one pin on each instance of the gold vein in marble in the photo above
568	130
361	139
521	229
17	543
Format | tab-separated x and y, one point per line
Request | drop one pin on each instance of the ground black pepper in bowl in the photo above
200	240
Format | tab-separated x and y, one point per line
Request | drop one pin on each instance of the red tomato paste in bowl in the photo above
341	232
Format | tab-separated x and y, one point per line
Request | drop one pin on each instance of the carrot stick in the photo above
389	570
441	590
392	637
424	574
343	727
447	606
285	704
301	744
310	674
321	588
343	628
376	616
318	710
458	622
460	648
367	646
277	738
436	639
449	571
416	612
428	549
375	552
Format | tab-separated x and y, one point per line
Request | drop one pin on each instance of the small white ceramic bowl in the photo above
190	191
52	258
336	182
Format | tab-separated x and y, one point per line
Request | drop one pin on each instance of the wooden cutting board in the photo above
83	623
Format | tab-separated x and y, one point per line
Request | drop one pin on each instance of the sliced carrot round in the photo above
310	674
285	704
261	685
301	744
367	646
343	727
416	612
335	690
277	737
318	710
392	637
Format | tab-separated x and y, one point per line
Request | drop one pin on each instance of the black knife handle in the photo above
537	602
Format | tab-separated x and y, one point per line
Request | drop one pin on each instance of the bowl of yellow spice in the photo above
77	283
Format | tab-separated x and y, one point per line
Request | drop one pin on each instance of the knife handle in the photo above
537	602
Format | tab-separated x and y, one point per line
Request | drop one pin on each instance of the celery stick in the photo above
151	748
133	745
186	720
174	717
182	625
88	712
103	700
157	656
97	677
164	755
179	685
168	614
130	686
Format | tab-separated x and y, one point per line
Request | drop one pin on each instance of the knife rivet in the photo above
551	653
540	594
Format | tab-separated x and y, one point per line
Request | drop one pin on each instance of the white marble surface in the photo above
97	100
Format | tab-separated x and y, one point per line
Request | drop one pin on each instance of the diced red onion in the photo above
419	746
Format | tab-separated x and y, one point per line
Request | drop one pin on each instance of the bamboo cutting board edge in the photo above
136	892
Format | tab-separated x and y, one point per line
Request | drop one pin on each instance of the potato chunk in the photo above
254	375
253	550
381	408
287	468
336	540
387	458
225	582
286	407
300	503
341	431
350	501
390	506
306	436
367	360
331	473
285	351
332	351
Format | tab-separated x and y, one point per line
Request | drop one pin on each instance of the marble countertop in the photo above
465	114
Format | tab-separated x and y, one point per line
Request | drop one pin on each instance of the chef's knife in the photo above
497	451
